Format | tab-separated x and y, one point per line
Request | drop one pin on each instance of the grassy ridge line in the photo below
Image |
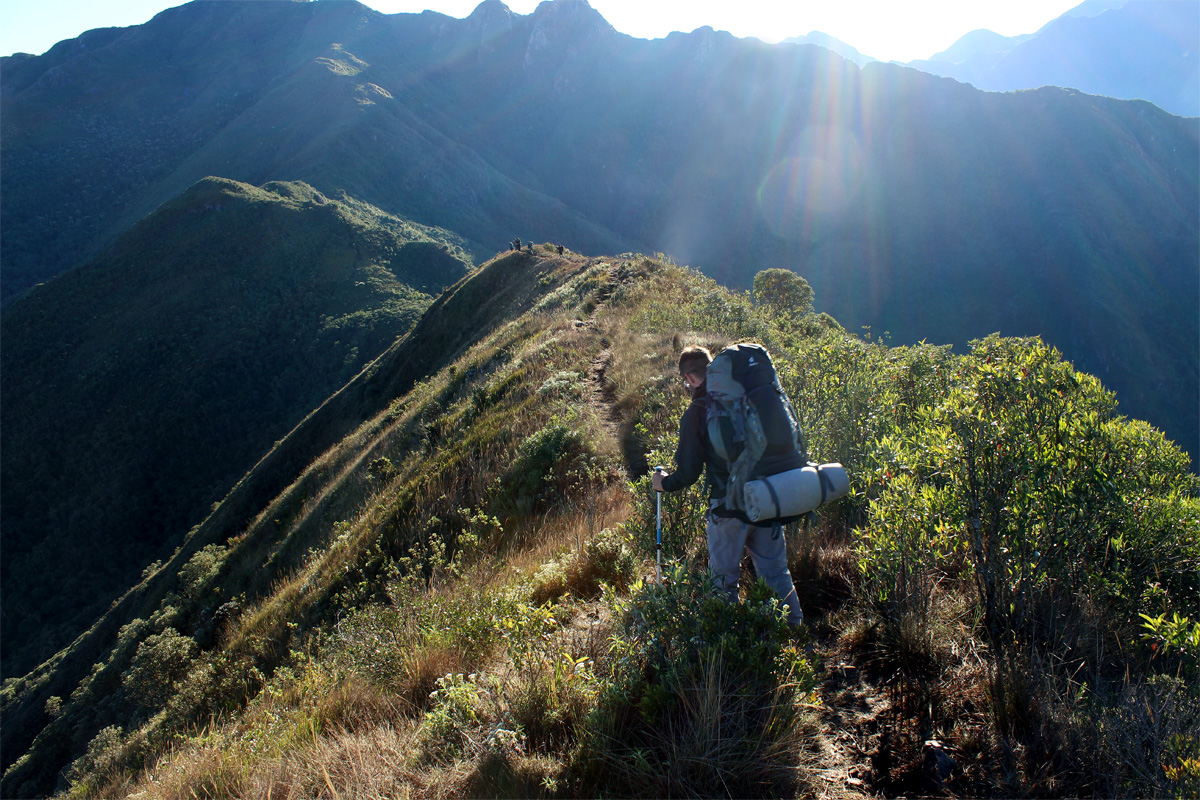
399	646
528	448
498	291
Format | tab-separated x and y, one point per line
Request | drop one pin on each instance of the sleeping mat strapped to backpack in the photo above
795	492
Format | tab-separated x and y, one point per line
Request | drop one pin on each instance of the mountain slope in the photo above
1143	50
283	483
100	130
1047	212
431	586
138	388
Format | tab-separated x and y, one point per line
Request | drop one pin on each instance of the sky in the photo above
891	30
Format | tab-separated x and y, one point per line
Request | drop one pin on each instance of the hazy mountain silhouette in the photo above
832	43
977	46
1140	49
912	204
102	129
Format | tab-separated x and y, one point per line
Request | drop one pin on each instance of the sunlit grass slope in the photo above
442	583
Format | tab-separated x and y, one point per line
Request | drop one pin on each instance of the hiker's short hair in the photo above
694	359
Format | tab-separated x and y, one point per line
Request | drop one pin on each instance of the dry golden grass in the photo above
538	541
723	739
372	765
361	740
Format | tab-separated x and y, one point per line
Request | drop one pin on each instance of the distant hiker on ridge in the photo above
729	531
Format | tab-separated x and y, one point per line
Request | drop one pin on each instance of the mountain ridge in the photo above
585	136
139	387
1143	49
507	287
482	488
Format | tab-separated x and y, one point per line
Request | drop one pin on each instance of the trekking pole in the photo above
658	532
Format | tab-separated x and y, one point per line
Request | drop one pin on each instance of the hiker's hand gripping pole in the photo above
658	530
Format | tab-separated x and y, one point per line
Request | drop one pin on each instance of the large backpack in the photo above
751	423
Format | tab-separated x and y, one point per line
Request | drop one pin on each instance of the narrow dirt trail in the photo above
853	711
602	395
853	708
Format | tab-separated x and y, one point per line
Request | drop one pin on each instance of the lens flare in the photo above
815	185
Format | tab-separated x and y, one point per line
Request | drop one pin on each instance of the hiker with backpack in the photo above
712	438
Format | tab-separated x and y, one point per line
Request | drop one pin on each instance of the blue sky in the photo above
900	30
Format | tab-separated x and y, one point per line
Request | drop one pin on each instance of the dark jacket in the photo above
694	454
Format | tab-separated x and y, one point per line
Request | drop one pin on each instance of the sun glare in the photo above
883	29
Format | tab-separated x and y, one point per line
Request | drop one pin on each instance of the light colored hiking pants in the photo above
729	537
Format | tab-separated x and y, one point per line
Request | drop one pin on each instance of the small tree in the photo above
783	293
159	664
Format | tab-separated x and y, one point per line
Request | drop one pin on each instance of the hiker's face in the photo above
692	382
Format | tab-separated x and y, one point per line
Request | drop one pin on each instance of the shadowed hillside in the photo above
913	204
441	582
100	130
140	387
461	316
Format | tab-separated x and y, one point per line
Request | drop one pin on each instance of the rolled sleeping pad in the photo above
795	492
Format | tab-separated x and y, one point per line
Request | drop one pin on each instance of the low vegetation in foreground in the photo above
460	599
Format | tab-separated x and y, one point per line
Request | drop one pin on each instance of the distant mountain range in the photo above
1131	49
913	204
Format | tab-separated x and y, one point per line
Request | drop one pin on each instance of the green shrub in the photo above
455	709
605	560
548	466
161	662
1075	534
104	756
564	383
382	469
200	569
783	293
1018	475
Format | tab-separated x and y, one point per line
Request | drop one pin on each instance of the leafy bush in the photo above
456	707
783	293
161	662
605	560
548	465
200	569
1017	476
563	383
1019	487
103	755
